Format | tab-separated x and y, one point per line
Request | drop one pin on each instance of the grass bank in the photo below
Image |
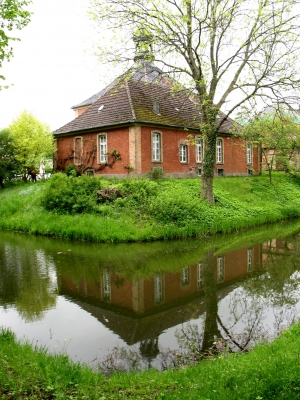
270	371
145	210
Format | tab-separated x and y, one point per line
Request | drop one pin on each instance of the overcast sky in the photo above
53	67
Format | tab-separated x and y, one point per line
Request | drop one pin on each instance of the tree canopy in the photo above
278	137
13	15
227	52
32	140
9	165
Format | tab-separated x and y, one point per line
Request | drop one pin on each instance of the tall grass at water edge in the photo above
270	371
146	210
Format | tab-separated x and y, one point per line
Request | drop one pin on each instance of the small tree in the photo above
9	165
13	15
277	136
32	139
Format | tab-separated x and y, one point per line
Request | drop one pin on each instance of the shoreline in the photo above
149	210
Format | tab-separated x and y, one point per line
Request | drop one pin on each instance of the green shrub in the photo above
72	171
71	195
138	191
179	208
155	173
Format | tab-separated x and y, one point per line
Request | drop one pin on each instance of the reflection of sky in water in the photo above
68	327
86	338
63	326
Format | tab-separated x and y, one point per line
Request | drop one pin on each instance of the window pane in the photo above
220	269
249	259
199	150
219	151
158	289
156	147
77	151
249	153
183	153
102	149
106	286
185	276
199	276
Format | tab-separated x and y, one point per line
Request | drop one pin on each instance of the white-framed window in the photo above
78	150
249	260
158	289
185	276
199	276
156	146
102	148
199	150
249	153
220	269
219	151
183	153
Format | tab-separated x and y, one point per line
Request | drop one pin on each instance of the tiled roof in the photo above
130	99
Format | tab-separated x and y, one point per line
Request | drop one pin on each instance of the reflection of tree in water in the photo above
211	329
149	349
245	323
27	281
278	280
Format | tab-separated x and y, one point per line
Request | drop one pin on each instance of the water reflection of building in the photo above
140	309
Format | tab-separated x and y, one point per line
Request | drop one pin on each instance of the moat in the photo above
85	299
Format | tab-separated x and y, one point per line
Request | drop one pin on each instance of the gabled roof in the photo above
130	99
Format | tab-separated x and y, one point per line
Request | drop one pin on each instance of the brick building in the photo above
138	123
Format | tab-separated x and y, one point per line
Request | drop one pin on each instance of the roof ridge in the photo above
130	99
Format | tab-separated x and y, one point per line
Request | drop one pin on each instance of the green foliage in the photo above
70	195
32	140
13	15
155	173
277	136
72	171
148	210
180	207
270	371
9	165
138	191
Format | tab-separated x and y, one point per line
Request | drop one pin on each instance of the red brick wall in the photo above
234	154
116	139
235	162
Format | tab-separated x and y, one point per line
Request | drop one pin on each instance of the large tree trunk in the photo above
207	189
209	162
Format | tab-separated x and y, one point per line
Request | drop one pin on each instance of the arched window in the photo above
249	153
199	150
78	150
183	153
102	148
156	146
219	151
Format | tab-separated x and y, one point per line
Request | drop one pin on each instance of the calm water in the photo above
85	299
